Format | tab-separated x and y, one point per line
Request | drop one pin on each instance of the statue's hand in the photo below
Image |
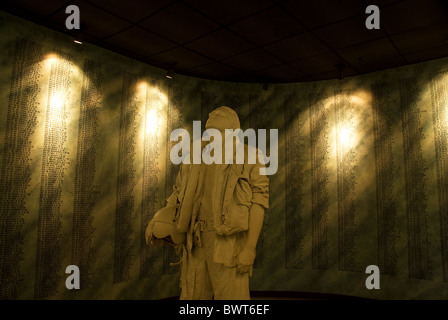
245	260
148	233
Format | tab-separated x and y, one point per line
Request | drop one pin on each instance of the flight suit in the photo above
219	197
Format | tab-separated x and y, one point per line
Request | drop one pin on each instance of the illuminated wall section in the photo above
386	176
319	131
439	102
54	161
84	152
21	120
294	151
85	187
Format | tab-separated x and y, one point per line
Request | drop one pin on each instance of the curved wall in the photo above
84	150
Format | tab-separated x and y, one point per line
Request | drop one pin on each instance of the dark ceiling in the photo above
261	41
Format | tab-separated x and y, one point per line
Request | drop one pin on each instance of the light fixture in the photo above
78	38
170	73
170	70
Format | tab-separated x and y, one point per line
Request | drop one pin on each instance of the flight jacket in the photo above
236	188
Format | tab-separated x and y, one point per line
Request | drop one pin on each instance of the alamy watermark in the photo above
373	21
73	20
232	146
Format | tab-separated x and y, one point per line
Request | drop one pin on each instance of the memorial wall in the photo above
362	174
